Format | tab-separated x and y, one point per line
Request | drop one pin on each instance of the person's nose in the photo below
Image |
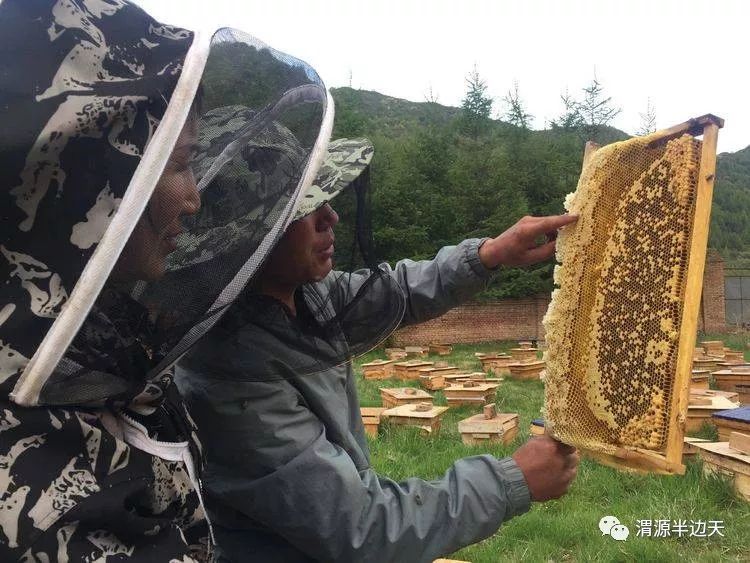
192	197
327	217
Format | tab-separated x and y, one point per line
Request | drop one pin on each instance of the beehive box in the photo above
432	382
523	355
525	344
527	370
734	358
719	458
732	380
470	393
416	351
441	349
497	363
479	376
689	450
378	369
423	415
729	395
489	427
537	427
743	392
410	369
701	407
706	363
371	419
621	325
395	353
395	396
732	420
713	348
699	380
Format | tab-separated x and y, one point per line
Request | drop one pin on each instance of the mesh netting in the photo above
613	325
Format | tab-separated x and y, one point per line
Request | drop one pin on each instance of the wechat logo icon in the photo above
610	526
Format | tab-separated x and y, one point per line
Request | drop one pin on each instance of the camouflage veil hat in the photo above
93	98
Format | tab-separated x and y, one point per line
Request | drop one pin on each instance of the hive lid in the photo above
405	393
410	412
741	414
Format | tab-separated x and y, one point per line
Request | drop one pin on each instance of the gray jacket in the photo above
288	474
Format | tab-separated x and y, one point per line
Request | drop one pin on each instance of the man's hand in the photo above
548	466
518	246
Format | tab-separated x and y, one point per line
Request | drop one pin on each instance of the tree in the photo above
595	109
430	97
476	106
571	118
515	112
648	120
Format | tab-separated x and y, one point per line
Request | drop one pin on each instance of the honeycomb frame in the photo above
621	326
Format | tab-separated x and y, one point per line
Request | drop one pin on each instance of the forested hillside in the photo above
438	176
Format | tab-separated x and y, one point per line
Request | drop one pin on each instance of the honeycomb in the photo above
614	320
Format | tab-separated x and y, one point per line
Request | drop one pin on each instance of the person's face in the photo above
175	195
305	252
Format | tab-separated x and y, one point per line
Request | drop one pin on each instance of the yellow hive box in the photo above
621	326
395	396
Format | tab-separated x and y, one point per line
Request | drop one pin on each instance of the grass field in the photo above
567	529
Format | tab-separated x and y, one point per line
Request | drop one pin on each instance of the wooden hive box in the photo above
395	353
423	415
699	353
729	395
689	450
378	369
396	396
710	364
699	379
743	392
470	393
527	370
713	347
497	363
416	351
410	369
479	376
731	379
732	420
525	344
371	419
441	349
719	457
734	358
523	355
489	427
537	427
700	409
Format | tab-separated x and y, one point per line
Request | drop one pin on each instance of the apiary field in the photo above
567	529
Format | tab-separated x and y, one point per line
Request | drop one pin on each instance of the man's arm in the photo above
272	463
432	287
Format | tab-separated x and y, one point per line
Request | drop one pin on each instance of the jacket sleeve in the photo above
309	491
432	287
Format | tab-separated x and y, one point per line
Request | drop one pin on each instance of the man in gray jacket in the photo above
288	473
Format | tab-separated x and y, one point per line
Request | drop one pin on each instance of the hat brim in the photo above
346	160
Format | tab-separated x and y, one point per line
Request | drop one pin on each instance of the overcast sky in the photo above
689	57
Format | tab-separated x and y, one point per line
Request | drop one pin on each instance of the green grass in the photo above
566	529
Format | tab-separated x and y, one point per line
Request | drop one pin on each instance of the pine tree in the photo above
648	120
515	112
596	110
571	118
476	106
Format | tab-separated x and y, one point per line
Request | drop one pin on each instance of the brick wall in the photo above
713	312
520	319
